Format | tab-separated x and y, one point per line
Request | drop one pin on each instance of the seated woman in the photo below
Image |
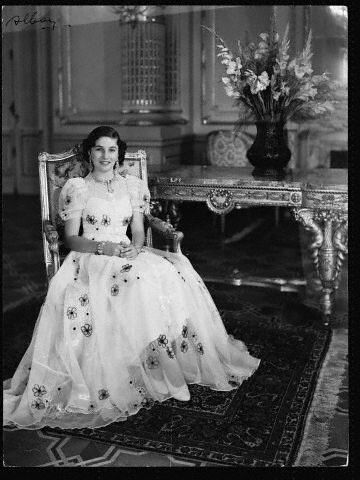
122	325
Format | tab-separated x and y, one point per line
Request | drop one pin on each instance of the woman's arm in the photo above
138	237
137	229
84	245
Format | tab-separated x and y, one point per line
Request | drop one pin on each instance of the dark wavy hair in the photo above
103	131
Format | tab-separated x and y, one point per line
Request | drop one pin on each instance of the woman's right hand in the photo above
111	249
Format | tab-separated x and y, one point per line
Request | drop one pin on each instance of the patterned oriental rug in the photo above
261	423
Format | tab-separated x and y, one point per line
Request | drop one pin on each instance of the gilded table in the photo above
317	198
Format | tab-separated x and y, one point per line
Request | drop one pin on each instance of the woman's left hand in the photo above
129	251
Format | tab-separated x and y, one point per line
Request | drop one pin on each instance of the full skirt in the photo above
114	336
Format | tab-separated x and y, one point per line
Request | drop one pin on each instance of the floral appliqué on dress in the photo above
86	329
39	391
91	219
84	300
103	394
71	313
152	362
163	342
184	346
106	220
38	404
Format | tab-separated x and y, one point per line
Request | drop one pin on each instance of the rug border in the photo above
303	457
282	458
311	393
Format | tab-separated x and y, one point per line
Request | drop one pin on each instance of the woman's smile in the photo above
104	154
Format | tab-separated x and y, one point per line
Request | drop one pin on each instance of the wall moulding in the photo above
66	111
30	140
211	111
86	95
243	23
8	167
216	107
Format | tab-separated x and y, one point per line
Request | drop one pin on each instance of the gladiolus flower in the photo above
257	84
306	91
284	88
229	90
231	68
234	67
289	80
300	71
276	95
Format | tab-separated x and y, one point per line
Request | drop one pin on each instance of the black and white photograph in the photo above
175	236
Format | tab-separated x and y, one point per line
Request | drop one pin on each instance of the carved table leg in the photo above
328	249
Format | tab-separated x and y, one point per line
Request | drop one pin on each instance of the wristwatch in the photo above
99	248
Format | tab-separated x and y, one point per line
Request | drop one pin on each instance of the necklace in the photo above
108	183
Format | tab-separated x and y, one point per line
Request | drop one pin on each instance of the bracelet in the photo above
138	249
100	248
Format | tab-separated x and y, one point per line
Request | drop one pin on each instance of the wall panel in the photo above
8	163
242	23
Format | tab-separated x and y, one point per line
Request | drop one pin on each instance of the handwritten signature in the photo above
31	19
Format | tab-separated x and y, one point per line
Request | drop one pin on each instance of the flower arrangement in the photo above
271	86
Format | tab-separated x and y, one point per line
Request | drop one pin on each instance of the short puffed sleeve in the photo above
72	199
139	194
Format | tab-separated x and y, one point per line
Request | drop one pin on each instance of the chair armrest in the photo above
166	230
52	236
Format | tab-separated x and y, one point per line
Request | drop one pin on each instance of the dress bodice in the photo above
106	219
105	215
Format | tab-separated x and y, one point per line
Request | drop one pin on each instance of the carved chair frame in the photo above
55	170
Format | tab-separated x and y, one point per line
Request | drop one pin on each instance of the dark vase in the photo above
269	153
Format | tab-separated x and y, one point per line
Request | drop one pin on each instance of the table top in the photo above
224	188
320	178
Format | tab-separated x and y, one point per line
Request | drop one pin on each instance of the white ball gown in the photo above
115	335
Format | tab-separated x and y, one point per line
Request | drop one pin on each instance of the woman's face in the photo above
104	154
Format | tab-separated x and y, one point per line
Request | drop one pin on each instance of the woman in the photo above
122	325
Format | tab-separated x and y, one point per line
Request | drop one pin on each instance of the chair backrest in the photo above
56	169
226	148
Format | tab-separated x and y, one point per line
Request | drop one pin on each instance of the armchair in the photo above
54	171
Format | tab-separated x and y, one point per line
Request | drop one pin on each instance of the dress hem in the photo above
16	426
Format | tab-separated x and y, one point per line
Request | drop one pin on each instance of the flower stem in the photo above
262	103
